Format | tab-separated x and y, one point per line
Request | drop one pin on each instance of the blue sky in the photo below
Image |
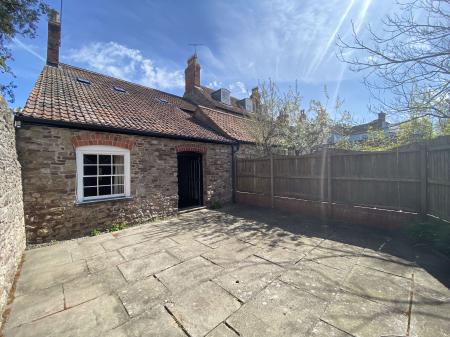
243	42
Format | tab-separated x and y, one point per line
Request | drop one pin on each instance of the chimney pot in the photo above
192	74
54	38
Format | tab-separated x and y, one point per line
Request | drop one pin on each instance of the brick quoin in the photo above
191	148
102	139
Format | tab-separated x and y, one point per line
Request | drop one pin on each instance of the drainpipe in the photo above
234	149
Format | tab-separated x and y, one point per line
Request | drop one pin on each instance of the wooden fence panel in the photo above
438	181
413	178
300	177
378	179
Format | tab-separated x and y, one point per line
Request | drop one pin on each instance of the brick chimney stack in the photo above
255	97
381	119
192	74
54	38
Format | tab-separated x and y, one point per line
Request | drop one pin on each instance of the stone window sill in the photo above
97	201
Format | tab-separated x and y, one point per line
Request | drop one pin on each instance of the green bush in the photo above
433	232
117	227
95	232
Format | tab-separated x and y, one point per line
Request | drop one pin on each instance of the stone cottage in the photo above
96	150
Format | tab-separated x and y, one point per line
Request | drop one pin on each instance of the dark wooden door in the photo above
190	179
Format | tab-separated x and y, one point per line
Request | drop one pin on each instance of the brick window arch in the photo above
191	148
103	139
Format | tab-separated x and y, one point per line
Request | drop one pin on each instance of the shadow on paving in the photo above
389	242
239	270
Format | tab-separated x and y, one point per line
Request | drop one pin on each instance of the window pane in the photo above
118	169
118	160
104	180
91	181
118	189
104	170
90	159
117	180
90	191
90	170
104	190
104	159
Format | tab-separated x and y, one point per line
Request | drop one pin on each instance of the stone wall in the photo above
48	163
12	230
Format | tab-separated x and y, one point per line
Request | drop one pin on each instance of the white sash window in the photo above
103	172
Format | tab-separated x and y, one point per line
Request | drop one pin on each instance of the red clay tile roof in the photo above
234	126
202	96
58	97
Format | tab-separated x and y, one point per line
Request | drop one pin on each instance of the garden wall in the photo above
12	229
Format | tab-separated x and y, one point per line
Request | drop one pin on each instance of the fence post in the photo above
271	180
329	177
423	180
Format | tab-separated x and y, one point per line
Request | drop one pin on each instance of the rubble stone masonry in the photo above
47	155
12	230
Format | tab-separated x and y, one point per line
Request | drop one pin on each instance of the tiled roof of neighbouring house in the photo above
202	95
234	126
76	96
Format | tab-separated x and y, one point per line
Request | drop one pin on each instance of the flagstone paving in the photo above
235	272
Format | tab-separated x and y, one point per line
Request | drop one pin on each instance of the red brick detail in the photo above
103	139
191	148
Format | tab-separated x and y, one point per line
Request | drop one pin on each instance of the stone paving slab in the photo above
146	266
88	287
380	287
143	295
32	281
280	255
222	331
287	310
188	274
188	250
156	322
331	258
323	329
320	280
361	317
233	251
36	305
248	277
430	317
86	250
88	319
145	248
387	263
201	309
238	272
104	261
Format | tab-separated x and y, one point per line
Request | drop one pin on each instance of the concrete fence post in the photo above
271	181
423	179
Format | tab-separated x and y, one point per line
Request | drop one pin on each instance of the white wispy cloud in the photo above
287	39
126	63
29	48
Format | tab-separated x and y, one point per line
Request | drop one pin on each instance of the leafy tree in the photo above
415	130
17	17
281	125
272	117
408	59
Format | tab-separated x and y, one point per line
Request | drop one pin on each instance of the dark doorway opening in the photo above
190	180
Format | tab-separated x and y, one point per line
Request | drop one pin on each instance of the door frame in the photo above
201	179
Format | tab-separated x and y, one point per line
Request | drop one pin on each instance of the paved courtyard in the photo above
234	272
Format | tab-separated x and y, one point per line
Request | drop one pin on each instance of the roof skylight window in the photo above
120	89
162	100
83	80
